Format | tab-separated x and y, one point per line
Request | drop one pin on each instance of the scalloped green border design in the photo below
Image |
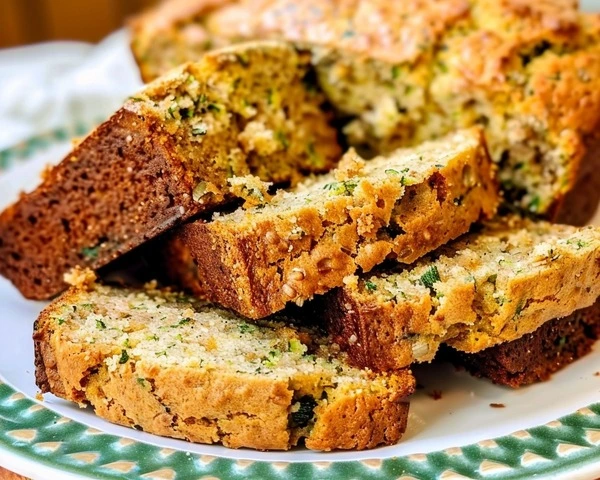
33	431
37	433
23	150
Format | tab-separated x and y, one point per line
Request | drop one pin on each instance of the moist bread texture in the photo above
174	366
305	242
535	356
406	71
178	148
481	290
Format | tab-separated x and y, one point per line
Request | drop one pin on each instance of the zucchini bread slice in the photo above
169	153
174	366
403	72
483	289
535	356
305	242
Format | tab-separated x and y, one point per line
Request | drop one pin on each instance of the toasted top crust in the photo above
392	31
489	287
412	70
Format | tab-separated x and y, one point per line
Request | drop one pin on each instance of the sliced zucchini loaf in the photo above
535	356
483	289
407	71
169	153
173	366
306	241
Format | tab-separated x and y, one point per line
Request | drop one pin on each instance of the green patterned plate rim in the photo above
561	448
32	431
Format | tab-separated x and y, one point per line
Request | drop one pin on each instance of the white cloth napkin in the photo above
47	86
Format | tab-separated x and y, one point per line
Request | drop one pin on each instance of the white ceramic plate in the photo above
457	436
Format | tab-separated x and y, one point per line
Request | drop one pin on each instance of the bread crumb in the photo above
39	396
79	277
251	189
46	172
76	141
497	405
351	165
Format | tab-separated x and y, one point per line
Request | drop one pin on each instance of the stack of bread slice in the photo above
167	155
314	278
402	72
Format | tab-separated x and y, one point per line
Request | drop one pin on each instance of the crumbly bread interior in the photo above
257	114
173	365
187	144
483	289
304	242
404	72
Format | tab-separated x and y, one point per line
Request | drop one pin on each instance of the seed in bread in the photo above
172	151
305	242
405	71
173	366
479	291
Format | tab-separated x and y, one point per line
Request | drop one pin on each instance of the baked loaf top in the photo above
412	70
175	366
305	242
174	150
478	291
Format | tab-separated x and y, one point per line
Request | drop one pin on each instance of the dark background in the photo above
29	21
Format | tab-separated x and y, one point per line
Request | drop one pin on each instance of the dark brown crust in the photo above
217	275
579	205
343	321
536	356
41	377
121	186
47	376
363	332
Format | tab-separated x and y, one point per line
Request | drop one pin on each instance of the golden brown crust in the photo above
81	360
166	156
354	25
404	72
233	410
257	262
472	294
159	22
368	420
